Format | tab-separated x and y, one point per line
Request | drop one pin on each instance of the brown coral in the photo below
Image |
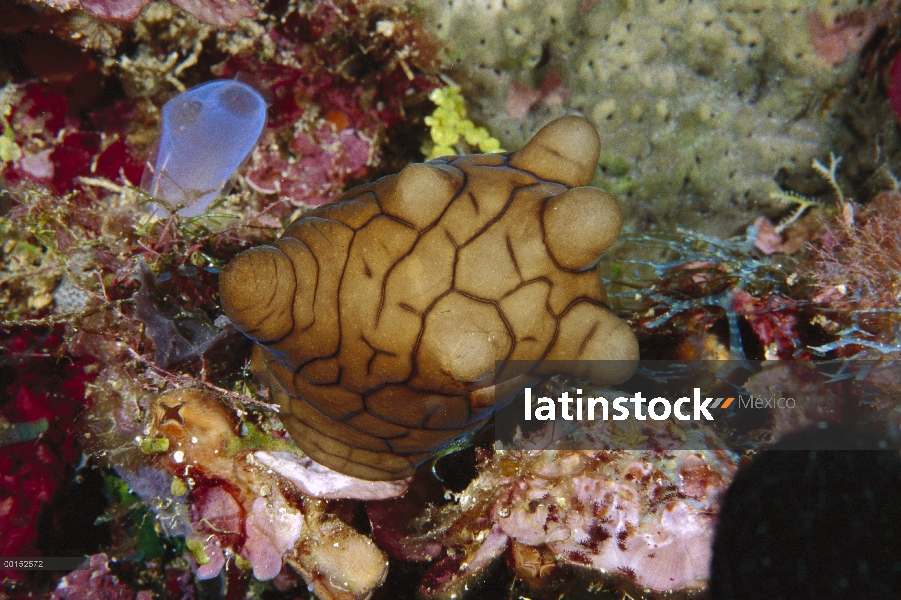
379	318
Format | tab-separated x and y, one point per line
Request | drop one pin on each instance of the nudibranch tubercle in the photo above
206	134
378	318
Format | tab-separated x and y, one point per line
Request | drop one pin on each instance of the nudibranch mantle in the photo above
379	318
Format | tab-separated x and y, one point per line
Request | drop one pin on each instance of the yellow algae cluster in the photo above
448	124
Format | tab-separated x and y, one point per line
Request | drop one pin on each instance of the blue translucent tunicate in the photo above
206	135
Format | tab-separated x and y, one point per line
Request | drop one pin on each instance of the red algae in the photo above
223	13
38	387
55	152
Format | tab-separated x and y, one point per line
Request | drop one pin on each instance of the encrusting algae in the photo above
448	124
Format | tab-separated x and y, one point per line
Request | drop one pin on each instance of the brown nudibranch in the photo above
378	318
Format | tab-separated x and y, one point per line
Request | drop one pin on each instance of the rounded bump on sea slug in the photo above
579	225
564	151
419	193
257	293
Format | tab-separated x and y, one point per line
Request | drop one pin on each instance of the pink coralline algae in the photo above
330	126
218	518
845	35
320	138
269	530
96	582
771	239
323	160
647	517
774	320
222	13
523	98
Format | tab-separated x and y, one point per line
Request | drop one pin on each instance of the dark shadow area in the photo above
818	524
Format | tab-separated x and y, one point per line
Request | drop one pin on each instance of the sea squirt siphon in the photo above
206	134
